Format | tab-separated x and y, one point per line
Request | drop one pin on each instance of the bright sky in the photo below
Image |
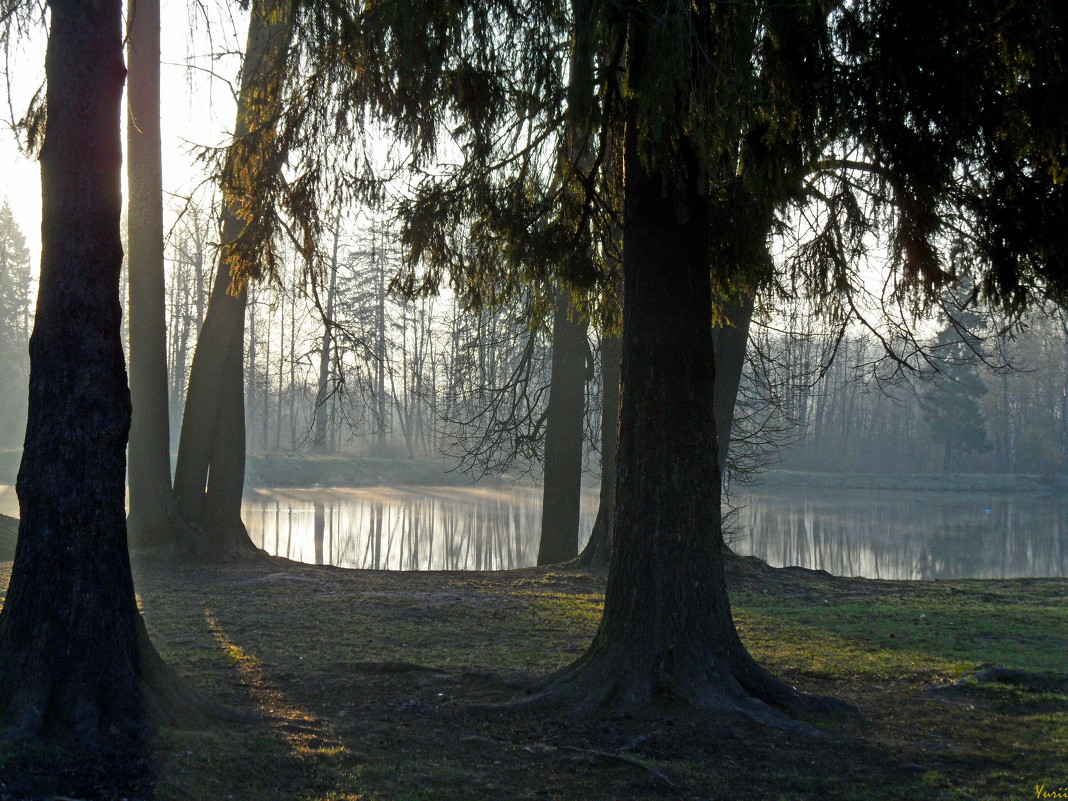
197	101
197	105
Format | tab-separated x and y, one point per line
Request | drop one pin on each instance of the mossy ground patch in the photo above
329	664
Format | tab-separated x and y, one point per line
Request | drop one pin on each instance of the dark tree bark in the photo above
209	474
667	626
75	659
729	342
226	477
599	546
321	396
562	483
211	450
151	503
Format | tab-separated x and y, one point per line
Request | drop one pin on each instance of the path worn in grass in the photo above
375	685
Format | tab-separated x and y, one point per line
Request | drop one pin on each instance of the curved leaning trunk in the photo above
226	473
209	475
213	430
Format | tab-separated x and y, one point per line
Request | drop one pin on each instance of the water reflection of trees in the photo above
403	529
909	536
880	535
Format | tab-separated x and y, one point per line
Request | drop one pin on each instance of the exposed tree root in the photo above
626	760
1027	680
110	713
602	679
1030	680
517	682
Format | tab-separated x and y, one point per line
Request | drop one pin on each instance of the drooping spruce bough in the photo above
941	128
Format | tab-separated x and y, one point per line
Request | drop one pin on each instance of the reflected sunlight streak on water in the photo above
404	528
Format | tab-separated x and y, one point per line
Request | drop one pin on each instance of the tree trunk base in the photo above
225	541
188	542
106	713
595	554
625	680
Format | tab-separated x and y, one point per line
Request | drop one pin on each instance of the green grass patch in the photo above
887	631
377	686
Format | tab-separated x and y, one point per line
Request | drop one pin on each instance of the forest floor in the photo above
396	687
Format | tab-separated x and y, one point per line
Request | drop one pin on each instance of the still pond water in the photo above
892	535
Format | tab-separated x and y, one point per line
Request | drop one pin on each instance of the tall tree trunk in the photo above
599	547
729	343
562	482
281	373
205	438
1063	320
319	530
151	503
265	406
75	659
249	364
213	430
293	370
383	411
667	625
319	438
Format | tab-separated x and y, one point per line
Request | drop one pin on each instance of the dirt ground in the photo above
398	686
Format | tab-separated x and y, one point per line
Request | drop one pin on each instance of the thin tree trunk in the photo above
265	411
562	482
249	364
281	372
380	344
151	503
599	547
319	439
729	343
293	370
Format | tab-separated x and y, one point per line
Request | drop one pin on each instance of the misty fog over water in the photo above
887	534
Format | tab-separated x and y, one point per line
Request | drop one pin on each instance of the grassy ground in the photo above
395	687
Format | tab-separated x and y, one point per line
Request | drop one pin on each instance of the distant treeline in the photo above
969	400
349	367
